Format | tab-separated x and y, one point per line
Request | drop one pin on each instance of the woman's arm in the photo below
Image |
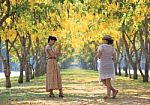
50	52
114	56
58	50
99	54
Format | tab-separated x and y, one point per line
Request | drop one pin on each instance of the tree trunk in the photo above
129	54
119	65
23	59
37	70
139	64
40	58
115	65
27	57
33	73
119	68
20	80
145	46
95	63
6	67
44	62
134	66
119	56
125	68
27	72
126	71
130	76
146	71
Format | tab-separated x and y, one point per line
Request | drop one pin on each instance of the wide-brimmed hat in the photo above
107	37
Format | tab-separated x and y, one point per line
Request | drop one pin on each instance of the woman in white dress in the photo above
106	54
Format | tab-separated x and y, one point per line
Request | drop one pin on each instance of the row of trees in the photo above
130	19
79	26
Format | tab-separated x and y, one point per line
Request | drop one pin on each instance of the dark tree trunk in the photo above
134	66
23	59
139	65
40	58
20	80
27	72
145	46
119	68
129	54
119	64
130	76
6	67
146	71
125	68
24	66
33	74
119	55
126	71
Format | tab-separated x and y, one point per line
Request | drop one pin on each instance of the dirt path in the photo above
80	88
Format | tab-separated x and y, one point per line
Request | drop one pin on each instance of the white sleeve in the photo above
47	47
100	48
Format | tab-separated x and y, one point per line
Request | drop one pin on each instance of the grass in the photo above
81	87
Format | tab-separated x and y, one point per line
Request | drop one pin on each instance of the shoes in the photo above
60	95
114	96
51	95
106	97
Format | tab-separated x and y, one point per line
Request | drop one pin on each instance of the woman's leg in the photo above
104	82
114	91
108	83
109	88
51	94
51	91
61	93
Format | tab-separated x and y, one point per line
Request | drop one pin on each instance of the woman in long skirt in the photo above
53	77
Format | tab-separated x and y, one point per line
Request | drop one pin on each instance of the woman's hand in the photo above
58	50
98	56
59	47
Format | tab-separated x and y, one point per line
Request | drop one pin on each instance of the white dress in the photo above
106	67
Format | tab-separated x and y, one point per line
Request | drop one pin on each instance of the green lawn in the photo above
81	87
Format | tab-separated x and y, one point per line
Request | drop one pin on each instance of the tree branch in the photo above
7	12
2	1
13	42
17	52
30	42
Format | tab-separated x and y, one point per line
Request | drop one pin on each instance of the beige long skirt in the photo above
53	78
